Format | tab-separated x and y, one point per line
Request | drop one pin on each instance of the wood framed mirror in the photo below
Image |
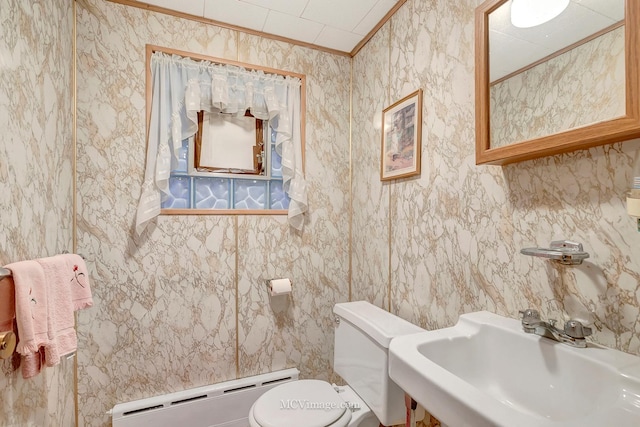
568	84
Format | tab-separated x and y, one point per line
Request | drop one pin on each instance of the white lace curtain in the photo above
182	87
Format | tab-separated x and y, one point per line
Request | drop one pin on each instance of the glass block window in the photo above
192	189
278	199
212	193
250	194
180	189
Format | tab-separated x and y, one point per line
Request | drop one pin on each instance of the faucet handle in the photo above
529	312
575	329
529	317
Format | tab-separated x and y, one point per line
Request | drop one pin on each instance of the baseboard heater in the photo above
225	404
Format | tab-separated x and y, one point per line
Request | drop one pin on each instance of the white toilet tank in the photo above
361	356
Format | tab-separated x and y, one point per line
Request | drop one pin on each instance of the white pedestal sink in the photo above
485	371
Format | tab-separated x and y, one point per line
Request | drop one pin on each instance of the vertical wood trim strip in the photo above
390	187
350	272
74	220
236	279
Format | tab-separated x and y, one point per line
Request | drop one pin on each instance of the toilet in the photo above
362	335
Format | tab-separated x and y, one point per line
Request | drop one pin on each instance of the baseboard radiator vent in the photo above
225	404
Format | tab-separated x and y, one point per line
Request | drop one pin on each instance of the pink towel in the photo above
78	281
32	363
31	299
61	322
7	304
47	292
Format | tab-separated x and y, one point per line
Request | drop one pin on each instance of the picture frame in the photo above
402	138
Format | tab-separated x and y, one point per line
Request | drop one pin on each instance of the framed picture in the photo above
402	138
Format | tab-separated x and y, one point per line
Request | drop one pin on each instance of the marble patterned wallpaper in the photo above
36	179
577	88
448	241
185	304
370	200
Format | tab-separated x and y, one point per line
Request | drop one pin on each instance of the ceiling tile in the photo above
520	54
192	7
290	7
346	21
291	27
613	9
500	19
338	39
375	15
236	13
345	15
578	23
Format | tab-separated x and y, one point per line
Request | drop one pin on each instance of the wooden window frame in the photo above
151	49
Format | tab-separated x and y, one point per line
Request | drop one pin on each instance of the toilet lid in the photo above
309	403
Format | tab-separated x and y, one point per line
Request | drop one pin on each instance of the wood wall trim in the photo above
201	57
375	29
203	20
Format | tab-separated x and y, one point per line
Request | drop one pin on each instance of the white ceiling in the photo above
334	24
513	48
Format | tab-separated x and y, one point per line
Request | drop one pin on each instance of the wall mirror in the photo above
544	88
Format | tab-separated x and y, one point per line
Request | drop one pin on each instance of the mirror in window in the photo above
226	143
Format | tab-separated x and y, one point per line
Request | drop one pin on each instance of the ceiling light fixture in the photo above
529	13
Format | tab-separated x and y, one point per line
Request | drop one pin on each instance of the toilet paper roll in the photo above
279	287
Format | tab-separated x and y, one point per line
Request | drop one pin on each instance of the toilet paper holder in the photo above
271	282
7	344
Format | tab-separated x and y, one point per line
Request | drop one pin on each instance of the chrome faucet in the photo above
573	333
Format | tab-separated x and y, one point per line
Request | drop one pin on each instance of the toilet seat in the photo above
309	403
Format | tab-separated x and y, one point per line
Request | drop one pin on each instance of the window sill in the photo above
223	212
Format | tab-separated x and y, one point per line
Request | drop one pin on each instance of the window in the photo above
205	187
230	144
223	138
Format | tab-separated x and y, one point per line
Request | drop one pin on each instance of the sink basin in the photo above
485	371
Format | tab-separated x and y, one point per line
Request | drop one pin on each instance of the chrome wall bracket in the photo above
562	251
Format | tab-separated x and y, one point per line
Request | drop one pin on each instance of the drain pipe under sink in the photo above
411	406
